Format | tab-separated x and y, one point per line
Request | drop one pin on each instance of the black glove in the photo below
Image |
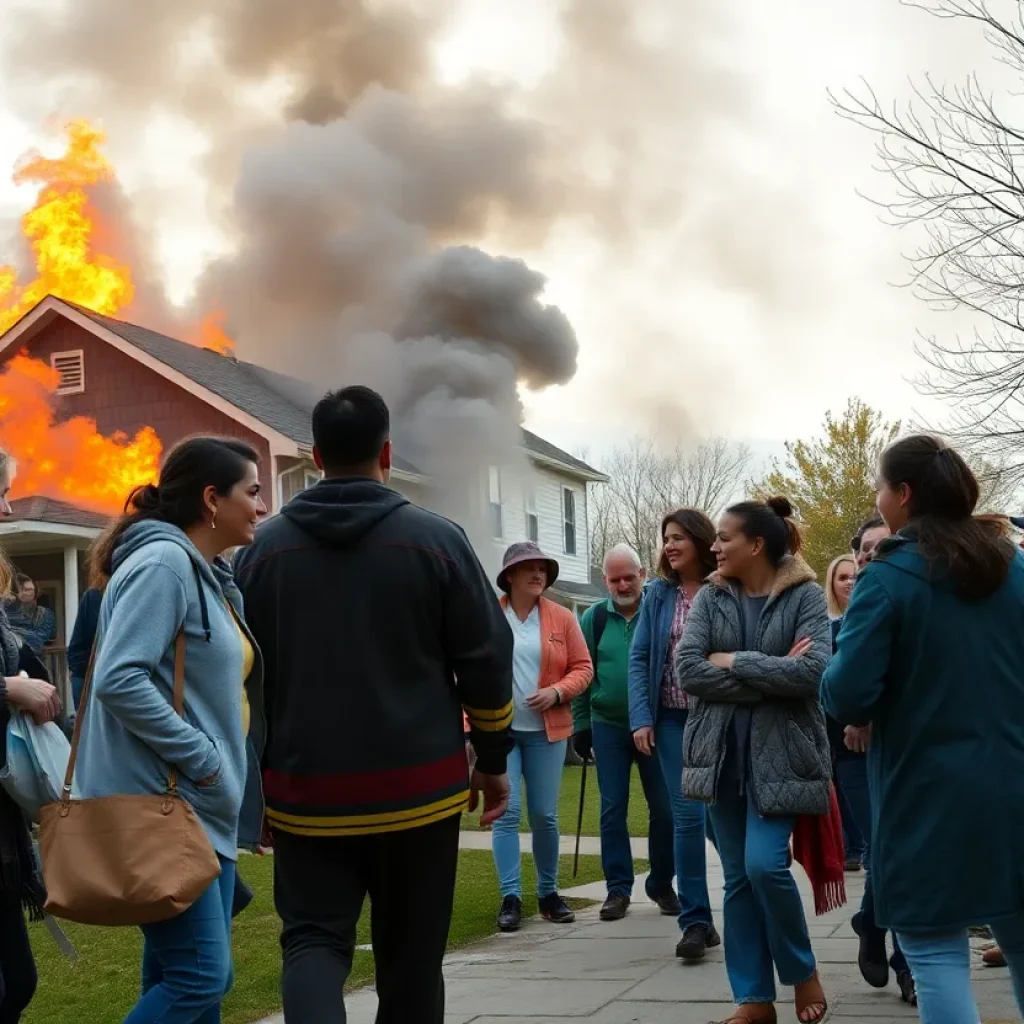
583	743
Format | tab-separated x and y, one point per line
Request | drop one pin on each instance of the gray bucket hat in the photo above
525	551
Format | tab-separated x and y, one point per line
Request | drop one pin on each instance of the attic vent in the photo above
71	367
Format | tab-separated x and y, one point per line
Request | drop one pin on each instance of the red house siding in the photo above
122	394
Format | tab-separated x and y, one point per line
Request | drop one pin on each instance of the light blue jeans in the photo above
941	965
536	761
688	822
765	927
186	961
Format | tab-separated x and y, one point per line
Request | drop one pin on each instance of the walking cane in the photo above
579	818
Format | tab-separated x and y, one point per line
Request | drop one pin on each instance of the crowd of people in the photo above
765	713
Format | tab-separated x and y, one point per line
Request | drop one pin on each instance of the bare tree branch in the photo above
958	165
649	479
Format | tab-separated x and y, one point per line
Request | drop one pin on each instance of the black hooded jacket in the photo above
378	627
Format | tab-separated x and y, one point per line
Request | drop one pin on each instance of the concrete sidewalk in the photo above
590	846
626	971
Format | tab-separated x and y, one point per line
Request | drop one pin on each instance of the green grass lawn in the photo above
103	985
569	805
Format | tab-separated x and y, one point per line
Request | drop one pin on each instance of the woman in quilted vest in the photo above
755	746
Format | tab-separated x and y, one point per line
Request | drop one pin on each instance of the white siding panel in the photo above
548	486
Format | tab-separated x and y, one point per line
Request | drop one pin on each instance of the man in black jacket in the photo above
378	627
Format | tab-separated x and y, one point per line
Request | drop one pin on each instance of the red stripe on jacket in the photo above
390	785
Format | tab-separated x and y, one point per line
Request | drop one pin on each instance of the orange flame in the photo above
60	227
71	460
211	334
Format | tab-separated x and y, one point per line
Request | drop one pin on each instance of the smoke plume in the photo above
353	186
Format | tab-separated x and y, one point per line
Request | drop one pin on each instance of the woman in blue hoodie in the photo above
931	657
165	574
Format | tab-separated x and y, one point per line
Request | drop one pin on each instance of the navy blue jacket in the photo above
82	638
941	681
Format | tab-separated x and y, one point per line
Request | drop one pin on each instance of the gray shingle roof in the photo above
246	386
537	445
260	392
37	509
264	394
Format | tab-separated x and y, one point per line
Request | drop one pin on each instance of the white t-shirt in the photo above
525	667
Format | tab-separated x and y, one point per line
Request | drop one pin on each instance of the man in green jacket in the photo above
601	726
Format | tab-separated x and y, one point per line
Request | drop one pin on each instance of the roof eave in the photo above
590	475
22	526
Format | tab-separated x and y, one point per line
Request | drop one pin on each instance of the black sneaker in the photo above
872	958
615	907
696	941
511	914
908	990
554	909
853	864
668	903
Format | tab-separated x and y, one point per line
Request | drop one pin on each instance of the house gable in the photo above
123	394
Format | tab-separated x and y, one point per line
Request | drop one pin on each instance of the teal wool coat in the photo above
941	681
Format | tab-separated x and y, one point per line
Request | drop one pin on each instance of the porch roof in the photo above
39	523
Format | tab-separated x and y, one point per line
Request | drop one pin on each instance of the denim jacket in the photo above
649	651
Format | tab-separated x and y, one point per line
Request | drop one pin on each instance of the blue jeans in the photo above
614	754
689	822
186	961
941	964
764	917
537	762
852	773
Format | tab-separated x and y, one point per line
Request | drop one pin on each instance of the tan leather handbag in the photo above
124	860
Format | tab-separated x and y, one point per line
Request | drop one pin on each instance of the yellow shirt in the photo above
248	659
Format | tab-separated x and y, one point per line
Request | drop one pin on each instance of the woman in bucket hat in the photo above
551	666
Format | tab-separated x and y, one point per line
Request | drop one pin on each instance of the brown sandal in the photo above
809	996
752	1013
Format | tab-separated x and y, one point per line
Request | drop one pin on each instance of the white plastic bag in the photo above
37	760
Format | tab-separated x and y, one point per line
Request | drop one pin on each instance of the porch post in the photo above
70	590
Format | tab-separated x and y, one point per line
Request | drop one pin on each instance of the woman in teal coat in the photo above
931	656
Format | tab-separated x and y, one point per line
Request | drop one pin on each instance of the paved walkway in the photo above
625	972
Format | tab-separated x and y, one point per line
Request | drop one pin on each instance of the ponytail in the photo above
190	468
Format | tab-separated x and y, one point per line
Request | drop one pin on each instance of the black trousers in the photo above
17	968
319	888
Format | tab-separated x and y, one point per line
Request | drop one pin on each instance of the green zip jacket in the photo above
607	698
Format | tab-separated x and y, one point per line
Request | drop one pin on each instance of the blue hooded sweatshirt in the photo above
131	734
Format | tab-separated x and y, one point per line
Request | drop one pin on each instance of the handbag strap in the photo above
179	708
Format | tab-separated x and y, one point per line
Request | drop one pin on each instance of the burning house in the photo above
89	402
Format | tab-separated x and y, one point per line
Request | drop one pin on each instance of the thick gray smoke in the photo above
342	171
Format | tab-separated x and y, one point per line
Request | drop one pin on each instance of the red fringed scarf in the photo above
818	848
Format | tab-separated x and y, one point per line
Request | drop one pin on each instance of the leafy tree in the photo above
831	479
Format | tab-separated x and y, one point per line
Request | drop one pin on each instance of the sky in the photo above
752	326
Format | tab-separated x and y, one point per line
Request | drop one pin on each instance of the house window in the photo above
494	501
532	519
296	480
569	519
70	367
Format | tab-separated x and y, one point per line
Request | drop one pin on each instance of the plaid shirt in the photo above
672	694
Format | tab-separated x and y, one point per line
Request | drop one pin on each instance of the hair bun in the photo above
145	499
781	506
